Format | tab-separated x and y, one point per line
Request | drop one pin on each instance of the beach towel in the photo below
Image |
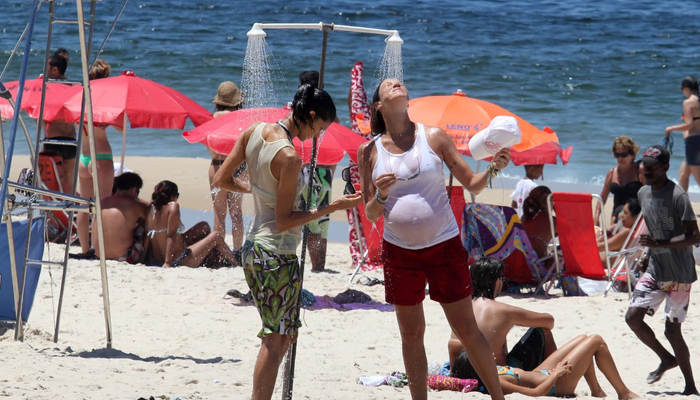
496	232
358	105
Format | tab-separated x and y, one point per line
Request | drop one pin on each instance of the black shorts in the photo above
67	151
692	150
528	353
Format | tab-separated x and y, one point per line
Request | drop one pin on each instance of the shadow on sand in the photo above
115	354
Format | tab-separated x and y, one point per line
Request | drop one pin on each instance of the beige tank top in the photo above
263	230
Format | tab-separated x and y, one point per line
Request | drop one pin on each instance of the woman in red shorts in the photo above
402	179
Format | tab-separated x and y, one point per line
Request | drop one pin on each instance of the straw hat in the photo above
228	95
502	132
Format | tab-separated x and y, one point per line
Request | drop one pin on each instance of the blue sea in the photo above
590	70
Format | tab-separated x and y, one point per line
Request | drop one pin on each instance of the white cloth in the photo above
522	190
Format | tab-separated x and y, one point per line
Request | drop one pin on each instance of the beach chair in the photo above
575	234
57	223
496	232
628	259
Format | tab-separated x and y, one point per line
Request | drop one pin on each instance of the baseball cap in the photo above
656	154
502	132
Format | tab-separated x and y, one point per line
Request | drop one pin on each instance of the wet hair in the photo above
626	142
634	206
309	77
63	53
691	83
126	181
58	61
100	69
377	119
485	272
531	205
163	192
309	98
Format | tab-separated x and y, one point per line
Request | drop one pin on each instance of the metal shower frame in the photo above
258	30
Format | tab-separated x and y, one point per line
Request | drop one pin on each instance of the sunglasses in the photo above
349	187
620	155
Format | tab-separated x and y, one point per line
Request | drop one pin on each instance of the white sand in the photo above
174	335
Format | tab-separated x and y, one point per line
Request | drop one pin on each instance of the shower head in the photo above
394	38
256	31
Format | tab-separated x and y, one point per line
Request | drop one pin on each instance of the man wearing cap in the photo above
673	231
228	98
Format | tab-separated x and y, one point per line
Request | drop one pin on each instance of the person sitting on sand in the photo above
560	373
524	186
496	319
535	220
170	245
123	217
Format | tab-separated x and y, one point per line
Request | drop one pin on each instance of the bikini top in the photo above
180	230
506	370
624	192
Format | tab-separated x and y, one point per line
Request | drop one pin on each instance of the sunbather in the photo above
560	373
170	245
495	320
627	217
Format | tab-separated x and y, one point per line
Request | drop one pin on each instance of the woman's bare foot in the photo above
629	396
598	393
690	391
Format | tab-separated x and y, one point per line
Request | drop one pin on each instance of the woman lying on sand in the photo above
559	374
170	245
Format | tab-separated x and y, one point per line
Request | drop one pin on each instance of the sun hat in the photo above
656	154
227	95
502	132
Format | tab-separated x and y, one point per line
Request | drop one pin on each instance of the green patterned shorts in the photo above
320	196
275	282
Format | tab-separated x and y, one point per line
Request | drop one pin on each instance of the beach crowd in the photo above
399	173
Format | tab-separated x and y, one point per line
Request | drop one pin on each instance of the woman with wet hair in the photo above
402	179
269	257
691	132
170	245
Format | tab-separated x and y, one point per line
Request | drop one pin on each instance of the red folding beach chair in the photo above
57	224
628	259
575	233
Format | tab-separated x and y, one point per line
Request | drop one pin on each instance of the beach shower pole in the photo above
258	30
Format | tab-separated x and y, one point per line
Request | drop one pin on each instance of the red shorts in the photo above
444	267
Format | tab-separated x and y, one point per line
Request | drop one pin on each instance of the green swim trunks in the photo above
320	196
275	282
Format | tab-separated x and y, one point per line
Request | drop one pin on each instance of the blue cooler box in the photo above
36	252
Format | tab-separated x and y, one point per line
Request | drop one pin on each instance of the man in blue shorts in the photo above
673	231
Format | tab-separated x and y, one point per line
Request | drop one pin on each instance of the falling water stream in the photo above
256	82
391	64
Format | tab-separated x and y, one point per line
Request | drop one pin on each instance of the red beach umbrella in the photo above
462	117
146	103
220	135
56	96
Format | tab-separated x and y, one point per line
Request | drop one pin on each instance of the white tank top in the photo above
417	213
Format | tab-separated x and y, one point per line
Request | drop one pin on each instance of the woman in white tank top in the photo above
269	257
402	180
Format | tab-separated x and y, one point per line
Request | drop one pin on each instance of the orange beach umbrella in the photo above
462	117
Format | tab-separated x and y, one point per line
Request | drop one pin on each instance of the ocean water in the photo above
590	70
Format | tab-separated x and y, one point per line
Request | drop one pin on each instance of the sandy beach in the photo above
176	336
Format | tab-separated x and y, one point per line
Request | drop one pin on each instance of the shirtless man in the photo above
123	216
64	131
496	319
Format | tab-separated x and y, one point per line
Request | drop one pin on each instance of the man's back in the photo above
120	214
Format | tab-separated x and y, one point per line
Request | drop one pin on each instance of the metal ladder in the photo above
69	203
